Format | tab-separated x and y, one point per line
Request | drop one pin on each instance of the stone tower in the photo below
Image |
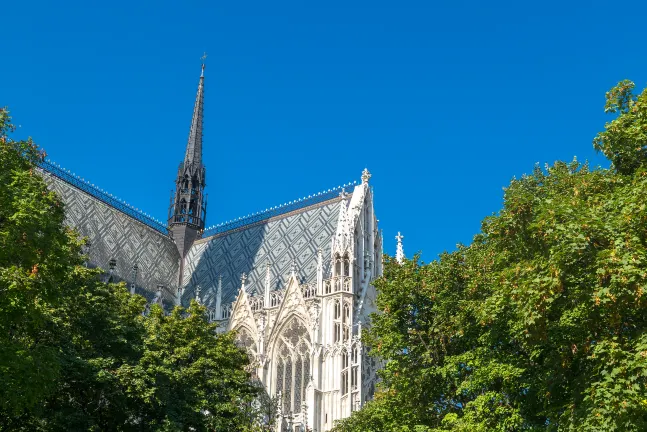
188	209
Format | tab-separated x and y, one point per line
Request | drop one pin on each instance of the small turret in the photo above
399	251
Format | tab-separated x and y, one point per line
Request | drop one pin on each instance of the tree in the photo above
262	413
63	332
189	377
538	324
76	353
624	141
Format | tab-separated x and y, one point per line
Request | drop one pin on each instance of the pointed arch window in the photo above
337	265
344	371
346	322
293	365
337	313
245	341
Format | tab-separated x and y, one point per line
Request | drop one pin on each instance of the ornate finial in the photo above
399	251
197	294
203	58
343	195
268	275
243	279
293	269
366	176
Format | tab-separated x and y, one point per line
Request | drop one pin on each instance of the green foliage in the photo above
76	353
190	376
540	323
35	253
624	141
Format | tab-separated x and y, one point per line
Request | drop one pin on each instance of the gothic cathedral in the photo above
293	281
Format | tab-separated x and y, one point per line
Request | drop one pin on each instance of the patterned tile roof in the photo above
280	235
103	196
296	235
114	234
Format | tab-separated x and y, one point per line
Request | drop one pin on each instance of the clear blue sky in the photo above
443	101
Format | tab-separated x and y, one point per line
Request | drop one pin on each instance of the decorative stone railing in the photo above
211	313
256	303
337	284
226	311
276	297
309	290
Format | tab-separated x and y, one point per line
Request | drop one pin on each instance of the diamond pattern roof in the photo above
280	240
114	234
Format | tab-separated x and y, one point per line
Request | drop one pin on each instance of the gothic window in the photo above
337	265
293	365
354	378
337	322
346	266
194	184
344	382
246	342
346	322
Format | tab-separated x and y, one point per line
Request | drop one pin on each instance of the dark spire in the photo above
188	209
194	145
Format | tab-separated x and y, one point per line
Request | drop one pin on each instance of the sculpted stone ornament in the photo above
262	360
366	176
314	315
197	295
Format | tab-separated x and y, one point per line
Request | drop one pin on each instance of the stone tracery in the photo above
292	361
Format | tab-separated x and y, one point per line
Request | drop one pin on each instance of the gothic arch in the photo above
291	354
245	339
243	316
293	304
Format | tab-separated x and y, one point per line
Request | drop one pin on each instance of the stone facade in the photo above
293	282
302	325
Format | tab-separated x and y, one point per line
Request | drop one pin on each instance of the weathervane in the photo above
203	58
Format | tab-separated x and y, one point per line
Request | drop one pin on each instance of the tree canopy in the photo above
76	353
539	324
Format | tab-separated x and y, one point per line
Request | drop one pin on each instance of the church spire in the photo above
194	145
188	209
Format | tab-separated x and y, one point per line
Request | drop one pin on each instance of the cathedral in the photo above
293	281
